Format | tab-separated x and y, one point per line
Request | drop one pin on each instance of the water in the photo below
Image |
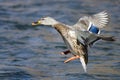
32	53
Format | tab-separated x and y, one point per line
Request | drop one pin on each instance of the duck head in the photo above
47	21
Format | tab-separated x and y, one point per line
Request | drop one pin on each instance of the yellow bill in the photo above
36	23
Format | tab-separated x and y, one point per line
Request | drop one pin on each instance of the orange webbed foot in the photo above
71	58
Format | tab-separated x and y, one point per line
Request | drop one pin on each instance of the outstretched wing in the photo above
85	38
98	20
90	24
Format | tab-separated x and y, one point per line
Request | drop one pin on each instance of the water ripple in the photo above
32	53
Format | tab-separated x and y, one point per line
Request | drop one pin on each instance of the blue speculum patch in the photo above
94	29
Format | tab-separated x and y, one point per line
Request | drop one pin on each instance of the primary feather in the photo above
88	27
99	20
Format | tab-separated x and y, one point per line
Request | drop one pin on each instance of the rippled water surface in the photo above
32	53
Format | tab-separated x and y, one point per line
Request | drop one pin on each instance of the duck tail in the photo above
84	65
107	38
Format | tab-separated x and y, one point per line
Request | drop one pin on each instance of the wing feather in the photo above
87	25
100	20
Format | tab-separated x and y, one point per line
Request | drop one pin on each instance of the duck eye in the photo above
42	19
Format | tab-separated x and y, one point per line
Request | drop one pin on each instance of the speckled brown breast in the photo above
70	40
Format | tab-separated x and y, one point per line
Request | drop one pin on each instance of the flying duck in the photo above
80	36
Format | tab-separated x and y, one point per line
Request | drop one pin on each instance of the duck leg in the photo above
65	52
71	58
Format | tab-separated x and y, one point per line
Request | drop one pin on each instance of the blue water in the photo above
33	53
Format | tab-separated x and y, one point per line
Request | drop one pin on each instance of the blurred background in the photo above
33	53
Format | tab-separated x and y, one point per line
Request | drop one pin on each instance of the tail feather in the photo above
82	60
107	38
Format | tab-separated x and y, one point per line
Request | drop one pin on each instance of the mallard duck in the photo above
79	36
